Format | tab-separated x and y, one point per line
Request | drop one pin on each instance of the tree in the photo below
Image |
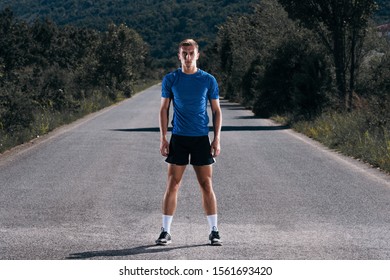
296	82
341	24
241	40
121	56
50	75
14	42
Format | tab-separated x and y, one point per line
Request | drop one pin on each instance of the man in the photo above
189	88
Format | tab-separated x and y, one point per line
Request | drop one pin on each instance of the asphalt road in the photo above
93	190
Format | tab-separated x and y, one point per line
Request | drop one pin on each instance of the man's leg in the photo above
175	174
204	174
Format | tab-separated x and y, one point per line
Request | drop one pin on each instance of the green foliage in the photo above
342	27
14	43
296	82
161	23
15	109
247	38
268	63
357	133
51	75
364	132
277	67
374	77
120	59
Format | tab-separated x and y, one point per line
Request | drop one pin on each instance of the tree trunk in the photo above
339	60
352	70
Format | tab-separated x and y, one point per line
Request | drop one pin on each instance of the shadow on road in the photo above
148	249
224	128
254	128
231	106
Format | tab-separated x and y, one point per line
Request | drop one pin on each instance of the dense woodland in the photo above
161	23
275	64
62	59
51	75
327	73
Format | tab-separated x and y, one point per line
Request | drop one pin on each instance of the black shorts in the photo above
195	150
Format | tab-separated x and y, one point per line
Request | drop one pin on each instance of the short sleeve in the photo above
166	87
213	92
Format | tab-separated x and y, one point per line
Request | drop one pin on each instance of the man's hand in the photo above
164	147
215	147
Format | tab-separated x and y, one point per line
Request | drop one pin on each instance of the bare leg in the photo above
204	175
175	174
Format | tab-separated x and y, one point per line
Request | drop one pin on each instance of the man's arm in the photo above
217	125
164	118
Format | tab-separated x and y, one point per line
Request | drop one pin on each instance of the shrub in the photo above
296	82
363	133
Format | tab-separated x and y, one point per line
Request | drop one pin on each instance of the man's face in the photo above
188	56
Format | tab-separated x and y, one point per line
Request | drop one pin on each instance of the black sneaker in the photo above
164	238
215	239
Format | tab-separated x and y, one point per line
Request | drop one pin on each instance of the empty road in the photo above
93	190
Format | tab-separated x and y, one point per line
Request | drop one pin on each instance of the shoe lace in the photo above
215	234
163	234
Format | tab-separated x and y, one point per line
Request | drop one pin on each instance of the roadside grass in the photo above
359	134
48	120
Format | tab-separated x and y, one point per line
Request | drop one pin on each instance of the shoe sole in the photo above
163	243
218	243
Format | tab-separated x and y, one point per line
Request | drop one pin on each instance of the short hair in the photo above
188	42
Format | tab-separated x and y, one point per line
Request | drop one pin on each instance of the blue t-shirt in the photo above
190	93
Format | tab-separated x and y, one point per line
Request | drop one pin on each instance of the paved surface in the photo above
93	190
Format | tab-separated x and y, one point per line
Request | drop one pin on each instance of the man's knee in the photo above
206	185
173	185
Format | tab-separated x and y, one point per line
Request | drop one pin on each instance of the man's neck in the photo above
189	70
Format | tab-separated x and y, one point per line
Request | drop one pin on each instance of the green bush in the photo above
50	76
296	82
363	133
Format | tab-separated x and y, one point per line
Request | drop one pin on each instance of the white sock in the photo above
166	222
213	222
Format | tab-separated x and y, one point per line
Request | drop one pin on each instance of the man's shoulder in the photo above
172	74
204	73
207	76
171	77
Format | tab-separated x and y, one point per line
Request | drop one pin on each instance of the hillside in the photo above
161	23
